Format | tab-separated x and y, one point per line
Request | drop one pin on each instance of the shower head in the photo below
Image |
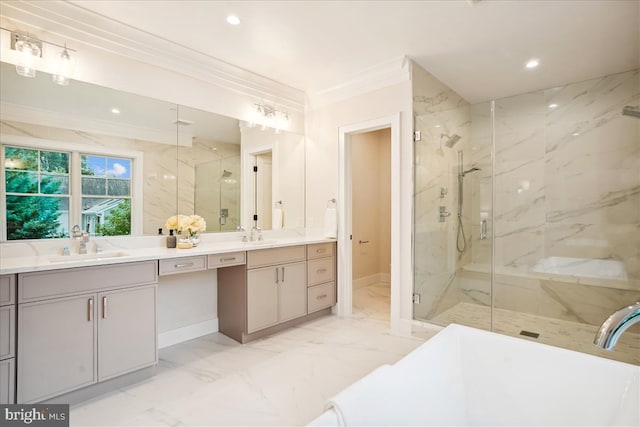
451	139
631	111
226	174
469	171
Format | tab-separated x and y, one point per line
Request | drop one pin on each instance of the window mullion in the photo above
75	198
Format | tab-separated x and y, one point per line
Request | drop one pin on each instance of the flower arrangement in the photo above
191	224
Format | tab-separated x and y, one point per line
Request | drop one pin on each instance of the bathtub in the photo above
466	376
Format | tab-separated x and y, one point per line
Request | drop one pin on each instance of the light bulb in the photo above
61	77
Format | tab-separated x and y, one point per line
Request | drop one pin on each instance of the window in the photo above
39	197
106	195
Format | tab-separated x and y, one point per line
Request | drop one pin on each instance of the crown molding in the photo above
73	24
388	73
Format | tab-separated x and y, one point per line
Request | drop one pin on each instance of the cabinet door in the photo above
262	298
6	381
126	331
56	347
293	291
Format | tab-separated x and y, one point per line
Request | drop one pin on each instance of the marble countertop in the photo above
114	254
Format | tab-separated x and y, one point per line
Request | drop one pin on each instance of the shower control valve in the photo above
443	213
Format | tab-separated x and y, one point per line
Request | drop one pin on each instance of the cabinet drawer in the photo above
7	289
225	260
263	257
182	265
320	250
320	271
48	284
7	385
7	332
321	296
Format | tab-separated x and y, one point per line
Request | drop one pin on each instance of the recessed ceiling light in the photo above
437	126
233	20
575	134
532	63
115	111
552	106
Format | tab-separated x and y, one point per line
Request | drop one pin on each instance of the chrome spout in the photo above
609	333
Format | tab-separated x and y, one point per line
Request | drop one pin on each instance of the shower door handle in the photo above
483	229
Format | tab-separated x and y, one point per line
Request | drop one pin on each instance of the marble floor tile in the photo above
283	379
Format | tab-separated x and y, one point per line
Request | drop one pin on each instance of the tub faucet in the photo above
609	333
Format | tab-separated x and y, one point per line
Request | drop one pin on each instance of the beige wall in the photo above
371	198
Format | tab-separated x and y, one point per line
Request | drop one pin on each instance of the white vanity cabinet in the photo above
67	342
7	338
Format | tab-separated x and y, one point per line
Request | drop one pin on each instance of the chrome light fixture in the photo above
28	50
268	117
61	76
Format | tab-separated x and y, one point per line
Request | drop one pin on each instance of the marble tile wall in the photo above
567	175
439	113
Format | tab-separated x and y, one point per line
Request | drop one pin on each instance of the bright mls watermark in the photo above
35	415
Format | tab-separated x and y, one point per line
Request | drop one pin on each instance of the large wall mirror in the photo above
116	163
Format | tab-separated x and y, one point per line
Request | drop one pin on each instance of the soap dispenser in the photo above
171	240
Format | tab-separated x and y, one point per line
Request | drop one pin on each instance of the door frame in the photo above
344	307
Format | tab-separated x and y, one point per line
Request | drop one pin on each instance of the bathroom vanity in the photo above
69	325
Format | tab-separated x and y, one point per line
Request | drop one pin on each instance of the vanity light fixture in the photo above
30	49
532	63
268	117
233	20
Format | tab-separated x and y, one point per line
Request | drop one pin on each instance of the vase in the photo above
184	241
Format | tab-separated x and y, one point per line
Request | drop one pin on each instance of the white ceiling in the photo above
478	50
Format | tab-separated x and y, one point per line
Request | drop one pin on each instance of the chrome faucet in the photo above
83	236
256	233
609	333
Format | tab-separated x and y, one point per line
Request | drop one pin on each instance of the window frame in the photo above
75	178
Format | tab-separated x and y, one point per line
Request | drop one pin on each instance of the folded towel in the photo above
276	219
331	223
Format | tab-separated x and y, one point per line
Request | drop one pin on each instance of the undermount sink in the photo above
87	257
261	242
466	376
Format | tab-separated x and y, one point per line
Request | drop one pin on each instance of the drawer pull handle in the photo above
277	278
282	274
90	309
319	297
321	270
321	250
363	241
104	307
228	259
186	264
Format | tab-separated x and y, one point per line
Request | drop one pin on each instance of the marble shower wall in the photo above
439	113
567	174
213	191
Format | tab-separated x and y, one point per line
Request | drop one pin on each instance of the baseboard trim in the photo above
370	280
176	336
